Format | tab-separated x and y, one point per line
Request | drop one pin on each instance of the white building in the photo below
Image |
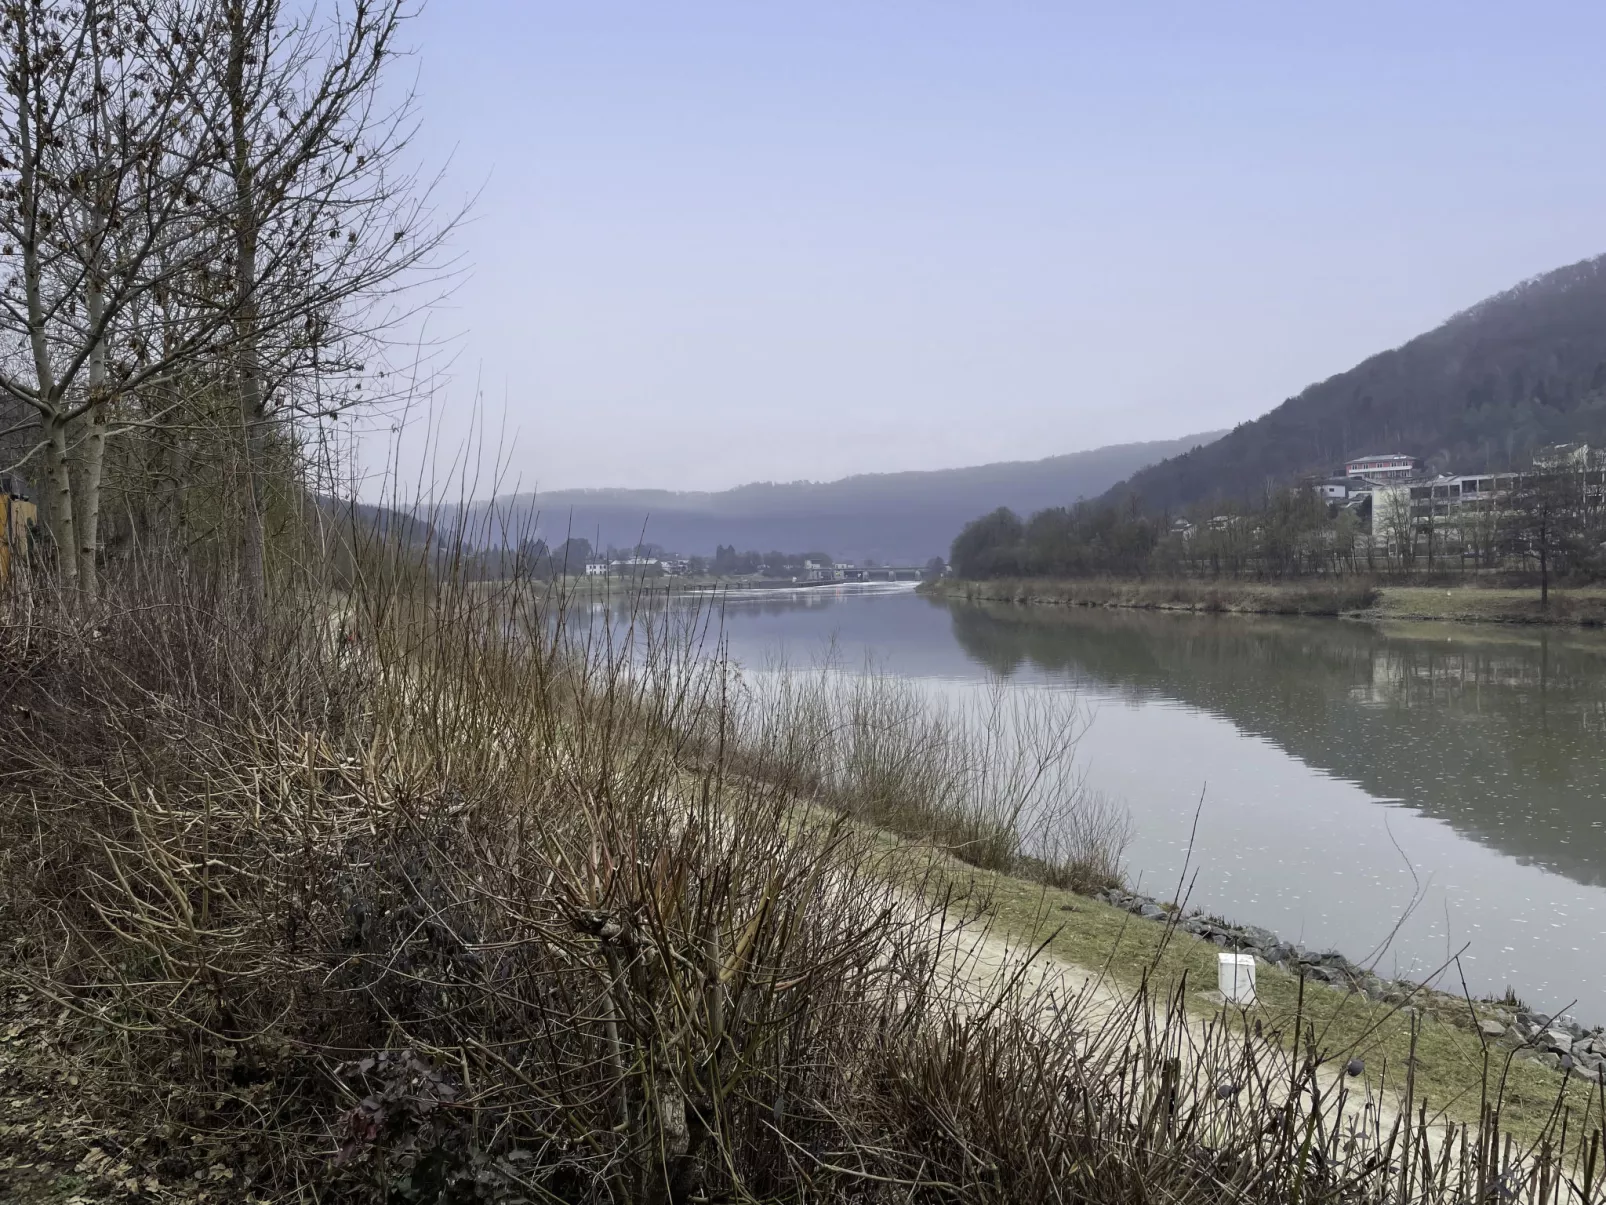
596	568
1340	489
1391	467
1563	456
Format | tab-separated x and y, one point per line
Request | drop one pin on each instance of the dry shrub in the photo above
490	905
1080	847
988	776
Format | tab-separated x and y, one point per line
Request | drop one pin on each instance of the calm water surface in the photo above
1347	770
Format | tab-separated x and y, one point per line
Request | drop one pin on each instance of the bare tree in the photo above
1545	516
201	196
1393	521
323	215
96	212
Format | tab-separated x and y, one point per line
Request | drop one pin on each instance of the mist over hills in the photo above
1521	369
890	517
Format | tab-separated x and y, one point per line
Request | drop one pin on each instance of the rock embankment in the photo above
1556	1041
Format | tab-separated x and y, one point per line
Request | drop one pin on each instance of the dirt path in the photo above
1211	1043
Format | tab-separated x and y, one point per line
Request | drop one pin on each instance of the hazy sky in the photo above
726	242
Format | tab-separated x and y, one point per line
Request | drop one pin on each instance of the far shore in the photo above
1347	598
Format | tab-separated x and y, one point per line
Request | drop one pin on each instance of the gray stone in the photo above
1588	1074
1550	1059
1490	1028
1558	1040
1151	912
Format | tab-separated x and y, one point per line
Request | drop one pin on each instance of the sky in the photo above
716	243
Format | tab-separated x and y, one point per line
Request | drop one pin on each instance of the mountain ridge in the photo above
906	516
1481	391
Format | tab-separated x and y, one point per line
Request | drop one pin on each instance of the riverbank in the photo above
1360	598
435	963
1453	1054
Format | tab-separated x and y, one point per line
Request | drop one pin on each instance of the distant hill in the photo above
891	517
1524	368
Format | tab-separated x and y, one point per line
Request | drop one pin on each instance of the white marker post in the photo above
1235	976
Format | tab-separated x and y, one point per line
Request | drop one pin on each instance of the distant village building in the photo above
1563	456
1452	507
596	568
1391	467
636	566
1340	489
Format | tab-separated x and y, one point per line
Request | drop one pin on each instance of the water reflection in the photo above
1498	734
1352	774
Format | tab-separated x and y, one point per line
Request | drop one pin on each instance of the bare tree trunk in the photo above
87	495
58	500
87	499
58	496
247	353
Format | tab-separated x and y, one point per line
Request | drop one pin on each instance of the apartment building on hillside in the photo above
1461	511
1384	468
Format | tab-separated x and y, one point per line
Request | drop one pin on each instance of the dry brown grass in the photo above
499	903
1456	598
1337	596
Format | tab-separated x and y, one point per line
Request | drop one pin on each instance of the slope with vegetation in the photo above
1485	391
1519	370
890	517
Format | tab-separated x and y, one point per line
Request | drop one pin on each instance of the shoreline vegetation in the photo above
414	890
1452	601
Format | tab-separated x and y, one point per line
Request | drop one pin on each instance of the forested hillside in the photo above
1524	368
891	517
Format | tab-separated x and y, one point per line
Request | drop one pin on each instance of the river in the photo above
1351	774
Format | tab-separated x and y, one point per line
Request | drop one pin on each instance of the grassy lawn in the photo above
1451	1059
1311	597
1345	596
1583	605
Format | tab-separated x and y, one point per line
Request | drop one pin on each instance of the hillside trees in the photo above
1481	392
989	546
